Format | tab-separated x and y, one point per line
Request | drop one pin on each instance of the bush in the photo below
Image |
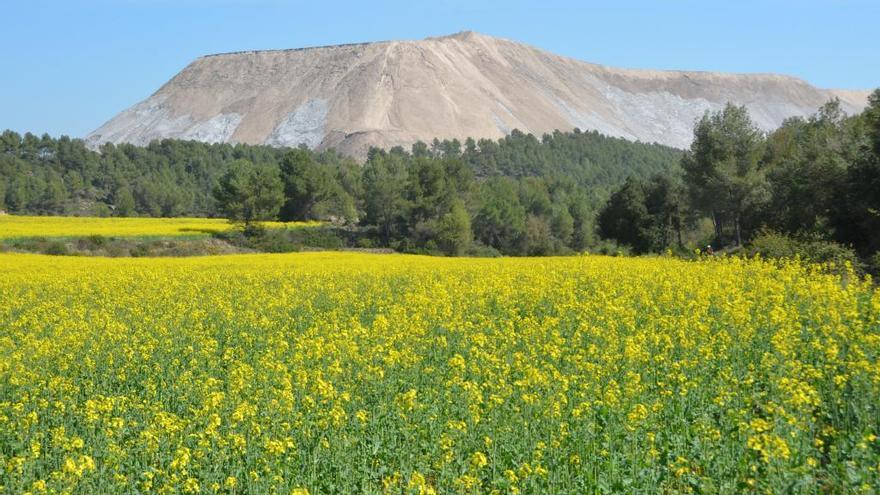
771	244
276	244
254	230
92	243
116	250
609	248
269	241
365	243
479	250
317	237
56	249
140	251
875	263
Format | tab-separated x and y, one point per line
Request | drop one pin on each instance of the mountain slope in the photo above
465	85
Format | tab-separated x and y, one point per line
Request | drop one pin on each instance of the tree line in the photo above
517	195
813	180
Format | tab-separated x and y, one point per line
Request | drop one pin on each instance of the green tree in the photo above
249	193
426	190
123	199
454	235
807	162
534	196
500	220
539	240
53	195
562	224
17	197
584	218
312	191
665	203
858	215
625	218
385	177
420	150
722	170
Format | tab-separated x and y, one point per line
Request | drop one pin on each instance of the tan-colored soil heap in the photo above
391	93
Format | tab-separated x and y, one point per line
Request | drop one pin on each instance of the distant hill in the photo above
384	94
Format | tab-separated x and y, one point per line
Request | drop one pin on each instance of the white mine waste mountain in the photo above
351	97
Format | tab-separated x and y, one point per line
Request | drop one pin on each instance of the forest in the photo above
810	188
520	194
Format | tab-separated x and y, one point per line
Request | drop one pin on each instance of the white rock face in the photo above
151	119
393	93
305	125
217	129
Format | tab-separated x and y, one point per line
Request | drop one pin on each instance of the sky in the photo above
71	65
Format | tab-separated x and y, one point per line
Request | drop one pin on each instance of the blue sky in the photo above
68	66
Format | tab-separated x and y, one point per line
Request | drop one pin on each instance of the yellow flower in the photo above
511	476
769	446
457	363
39	486
14	226
191	485
198	363
406	401
466	482
636	415
419	485
479	460
361	416
36	449
275	447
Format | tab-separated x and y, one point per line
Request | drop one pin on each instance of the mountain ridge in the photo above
467	84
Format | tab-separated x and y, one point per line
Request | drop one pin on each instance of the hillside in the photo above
383	94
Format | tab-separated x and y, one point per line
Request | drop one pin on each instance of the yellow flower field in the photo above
16	226
318	373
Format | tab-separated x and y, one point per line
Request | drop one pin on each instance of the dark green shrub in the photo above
774	245
140	250
92	243
56	249
320	237
277	244
875	263
116	250
482	251
608	247
254	230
